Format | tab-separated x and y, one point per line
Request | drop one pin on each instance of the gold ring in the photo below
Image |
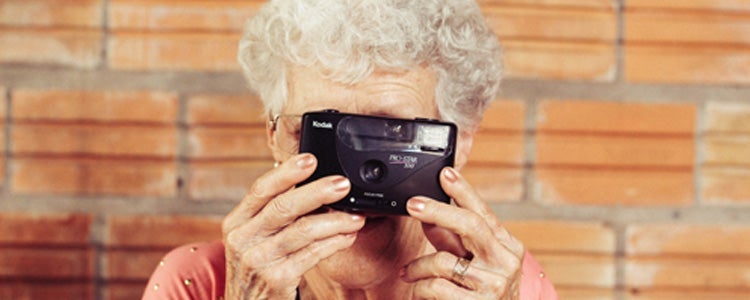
460	268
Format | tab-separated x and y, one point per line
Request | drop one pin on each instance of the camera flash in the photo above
432	136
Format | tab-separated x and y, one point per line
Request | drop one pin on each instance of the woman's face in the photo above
385	243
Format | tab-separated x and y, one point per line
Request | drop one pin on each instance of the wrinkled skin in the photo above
278	238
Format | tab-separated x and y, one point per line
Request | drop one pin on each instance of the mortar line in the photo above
619	50
104	54
98	227
181	157
700	155
8	143
529	139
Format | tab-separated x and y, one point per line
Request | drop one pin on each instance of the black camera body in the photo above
387	160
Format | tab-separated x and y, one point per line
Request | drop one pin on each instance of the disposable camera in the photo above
387	160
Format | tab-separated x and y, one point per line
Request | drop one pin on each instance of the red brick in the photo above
725	177
107	140
46	290
556	39
500	137
727	150
724	185
131	265
547	22
167	51
578	293
682	294
620	151
579	270
688	239
100	106
181	15
86	177
687	256
616	117
49	264
728	117
65	47
691	26
674	64
226	110
720	60
613	187
2	165
559	60
593	152
2	169
564	3
3	114
694	273
124	290
729	5
228	142
59	229
72	13
224	180
4	98
498	148
160	232
495	184
565	237
504	115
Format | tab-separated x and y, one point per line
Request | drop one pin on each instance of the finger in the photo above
291	205
444	240
443	265
307	258
464	194
287	207
475	233
306	231
279	180
440	288
267	186
511	242
284	276
432	265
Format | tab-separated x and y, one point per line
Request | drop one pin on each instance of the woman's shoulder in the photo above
534	282
193	271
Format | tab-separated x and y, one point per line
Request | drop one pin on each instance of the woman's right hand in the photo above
271	239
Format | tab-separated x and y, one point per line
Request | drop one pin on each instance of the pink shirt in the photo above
196	271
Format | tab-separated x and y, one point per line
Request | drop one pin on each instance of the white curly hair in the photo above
349	39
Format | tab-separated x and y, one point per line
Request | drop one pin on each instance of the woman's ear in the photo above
273	145
463	147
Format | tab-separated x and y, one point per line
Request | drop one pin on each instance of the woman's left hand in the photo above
476	257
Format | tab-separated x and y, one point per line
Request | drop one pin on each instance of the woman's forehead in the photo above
403	94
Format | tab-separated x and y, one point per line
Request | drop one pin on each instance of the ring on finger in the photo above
460	268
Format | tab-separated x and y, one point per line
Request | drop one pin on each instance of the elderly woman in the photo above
433	59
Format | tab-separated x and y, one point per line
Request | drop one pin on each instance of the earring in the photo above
276	164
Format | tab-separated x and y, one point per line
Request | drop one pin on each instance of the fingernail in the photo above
305	161
402	272
356	218
415	204
340	184
450	174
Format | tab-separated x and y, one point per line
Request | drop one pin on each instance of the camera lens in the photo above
372	171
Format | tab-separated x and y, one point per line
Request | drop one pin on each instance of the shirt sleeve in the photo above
194	271
535	285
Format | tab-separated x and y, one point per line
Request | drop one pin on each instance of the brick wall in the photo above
618	149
